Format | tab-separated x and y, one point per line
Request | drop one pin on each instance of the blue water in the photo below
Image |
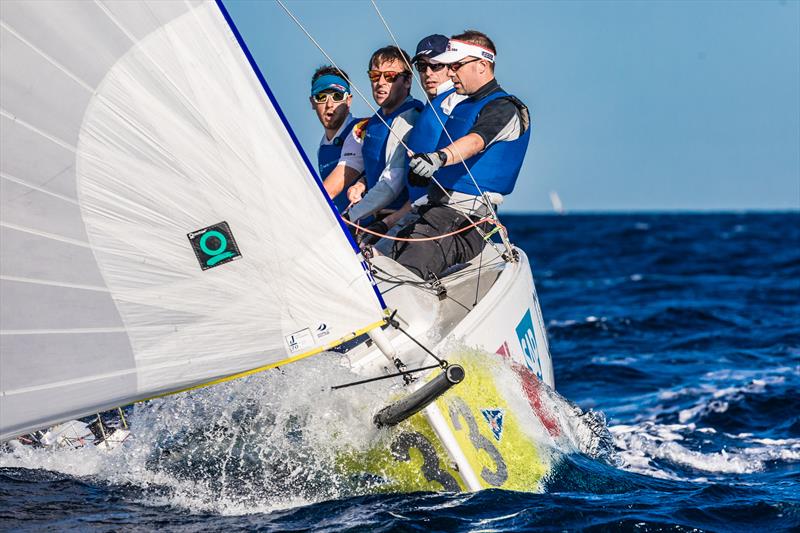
683	329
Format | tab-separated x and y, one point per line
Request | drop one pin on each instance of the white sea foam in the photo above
657	449
641	445
272	441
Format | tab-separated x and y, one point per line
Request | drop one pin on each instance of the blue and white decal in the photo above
322	330
527	341
494	417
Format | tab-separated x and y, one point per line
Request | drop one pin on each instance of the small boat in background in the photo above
555	201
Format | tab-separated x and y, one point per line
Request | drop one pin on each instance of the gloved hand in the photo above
365	238
422	166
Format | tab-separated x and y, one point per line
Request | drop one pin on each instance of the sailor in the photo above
491	130
385	157
441	96
339	159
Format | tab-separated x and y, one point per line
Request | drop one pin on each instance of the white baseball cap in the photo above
458	50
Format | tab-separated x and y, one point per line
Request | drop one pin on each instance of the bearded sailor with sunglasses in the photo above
339	157
490	131
385	158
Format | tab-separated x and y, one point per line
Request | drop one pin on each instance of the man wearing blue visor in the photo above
339	158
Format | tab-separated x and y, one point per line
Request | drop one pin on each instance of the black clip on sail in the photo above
395	413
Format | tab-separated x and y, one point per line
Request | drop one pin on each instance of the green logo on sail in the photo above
214	245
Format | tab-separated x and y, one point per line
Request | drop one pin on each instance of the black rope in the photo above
442	362
387	376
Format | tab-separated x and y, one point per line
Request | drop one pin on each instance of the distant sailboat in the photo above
555	201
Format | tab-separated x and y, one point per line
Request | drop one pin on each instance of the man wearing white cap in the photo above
490	132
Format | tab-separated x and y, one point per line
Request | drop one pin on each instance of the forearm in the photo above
376	199
339	179
463	148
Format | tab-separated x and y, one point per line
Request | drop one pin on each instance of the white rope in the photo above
332	62
486	201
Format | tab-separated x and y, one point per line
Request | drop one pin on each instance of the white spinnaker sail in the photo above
127	125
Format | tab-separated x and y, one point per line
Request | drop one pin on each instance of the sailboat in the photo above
555	201
163	230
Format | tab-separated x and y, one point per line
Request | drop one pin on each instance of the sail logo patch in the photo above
300	340
322	330
494	417
214	245
527	341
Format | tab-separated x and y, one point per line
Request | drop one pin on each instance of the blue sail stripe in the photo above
292	135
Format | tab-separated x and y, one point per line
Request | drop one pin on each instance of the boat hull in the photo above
491	430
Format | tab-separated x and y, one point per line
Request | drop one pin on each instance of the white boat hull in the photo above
483	433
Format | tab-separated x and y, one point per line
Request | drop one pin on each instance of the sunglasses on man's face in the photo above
336	96
389	75
422	66
455	66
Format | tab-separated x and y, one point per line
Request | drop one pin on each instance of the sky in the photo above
635	105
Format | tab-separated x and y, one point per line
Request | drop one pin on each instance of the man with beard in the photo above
490	132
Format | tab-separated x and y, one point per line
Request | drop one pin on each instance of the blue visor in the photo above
330	82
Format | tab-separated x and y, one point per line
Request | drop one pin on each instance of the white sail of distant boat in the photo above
144	249
555	201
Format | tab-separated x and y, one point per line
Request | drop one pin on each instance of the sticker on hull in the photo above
494	417
527	341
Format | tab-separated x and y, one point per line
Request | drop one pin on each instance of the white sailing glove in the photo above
422	166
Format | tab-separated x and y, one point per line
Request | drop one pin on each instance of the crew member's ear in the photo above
313	106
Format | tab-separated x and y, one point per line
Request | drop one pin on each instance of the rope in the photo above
427	99
422	239
329	58
387	376
488	204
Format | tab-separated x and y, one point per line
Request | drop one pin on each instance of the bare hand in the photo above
356	192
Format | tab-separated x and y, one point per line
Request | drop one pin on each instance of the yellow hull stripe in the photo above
334	344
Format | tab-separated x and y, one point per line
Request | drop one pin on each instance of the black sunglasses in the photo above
455	66
422	66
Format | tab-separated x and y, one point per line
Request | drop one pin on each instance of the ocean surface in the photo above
682	329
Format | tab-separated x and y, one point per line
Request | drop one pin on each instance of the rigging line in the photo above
478	282
387	376
427	98
442	362
421	239
452	277
353	85
329	58
489	205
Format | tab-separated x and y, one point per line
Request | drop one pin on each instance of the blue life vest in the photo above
328	156
496	168
374	149
425	135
